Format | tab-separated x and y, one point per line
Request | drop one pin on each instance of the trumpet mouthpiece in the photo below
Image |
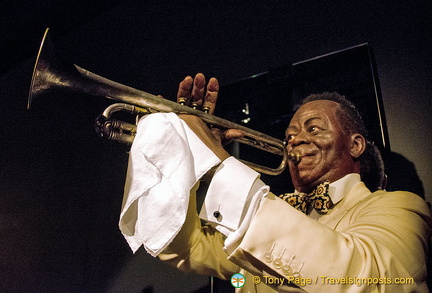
294	157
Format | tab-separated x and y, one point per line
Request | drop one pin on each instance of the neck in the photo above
309	187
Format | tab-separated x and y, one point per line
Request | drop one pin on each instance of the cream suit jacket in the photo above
375	238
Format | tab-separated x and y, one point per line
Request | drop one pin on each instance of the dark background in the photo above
61	185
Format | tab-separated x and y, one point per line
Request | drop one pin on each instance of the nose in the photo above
299	139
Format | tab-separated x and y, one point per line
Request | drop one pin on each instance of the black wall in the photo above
61	185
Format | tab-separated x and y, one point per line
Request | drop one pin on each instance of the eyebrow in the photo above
311	119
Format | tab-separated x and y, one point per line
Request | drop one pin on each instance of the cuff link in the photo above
217	213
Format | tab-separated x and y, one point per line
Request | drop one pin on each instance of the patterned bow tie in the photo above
319	199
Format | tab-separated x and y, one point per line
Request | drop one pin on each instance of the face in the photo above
327	152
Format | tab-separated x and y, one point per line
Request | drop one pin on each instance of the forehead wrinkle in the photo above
306	123
311	119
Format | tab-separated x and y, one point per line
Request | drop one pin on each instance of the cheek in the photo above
329	153
324	144
333	152
326	149
329	143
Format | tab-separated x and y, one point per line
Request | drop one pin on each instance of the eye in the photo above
288	138
314	129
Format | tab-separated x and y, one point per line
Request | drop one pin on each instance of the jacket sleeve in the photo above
198	248
379	242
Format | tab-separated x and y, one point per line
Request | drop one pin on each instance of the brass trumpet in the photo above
52	72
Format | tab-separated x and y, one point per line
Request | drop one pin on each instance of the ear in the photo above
358	145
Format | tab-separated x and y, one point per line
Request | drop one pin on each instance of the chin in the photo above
301	183
306	181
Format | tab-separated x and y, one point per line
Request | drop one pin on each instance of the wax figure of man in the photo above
361	241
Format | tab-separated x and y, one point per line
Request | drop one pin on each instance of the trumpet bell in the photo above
50	71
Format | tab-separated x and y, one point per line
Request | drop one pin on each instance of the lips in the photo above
304	153
306	157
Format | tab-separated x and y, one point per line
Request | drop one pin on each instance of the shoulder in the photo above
405	200
398	197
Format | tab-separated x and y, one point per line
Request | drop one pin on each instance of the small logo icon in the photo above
238	280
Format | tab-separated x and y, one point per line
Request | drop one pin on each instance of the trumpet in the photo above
53	72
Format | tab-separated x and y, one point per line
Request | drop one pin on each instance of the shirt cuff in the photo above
258	191
229	195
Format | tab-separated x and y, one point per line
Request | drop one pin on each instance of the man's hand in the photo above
212	138
194	93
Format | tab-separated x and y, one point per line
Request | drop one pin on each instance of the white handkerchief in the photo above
166	160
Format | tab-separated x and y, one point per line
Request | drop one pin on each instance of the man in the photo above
355	241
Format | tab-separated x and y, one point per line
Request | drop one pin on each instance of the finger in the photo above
184	90
230	135
198	91
211	96
227	136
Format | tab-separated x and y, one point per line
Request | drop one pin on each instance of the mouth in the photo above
304	157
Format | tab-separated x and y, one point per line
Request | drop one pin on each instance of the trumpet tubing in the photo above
52	72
